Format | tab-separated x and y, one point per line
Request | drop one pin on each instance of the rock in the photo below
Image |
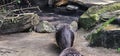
108	37
74	26
94	2
18	23
45	27
107	15
92	15
72	7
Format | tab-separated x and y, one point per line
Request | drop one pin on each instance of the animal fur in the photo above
65	39
70	52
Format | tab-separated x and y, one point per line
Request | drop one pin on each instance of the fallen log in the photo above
18	23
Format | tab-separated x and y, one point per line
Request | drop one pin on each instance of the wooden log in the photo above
19	23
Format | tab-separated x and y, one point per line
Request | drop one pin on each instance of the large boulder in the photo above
19	23
105	35
108	37
92	16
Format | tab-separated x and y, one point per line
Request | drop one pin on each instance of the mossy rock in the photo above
107	15
92	15
108	37
44	27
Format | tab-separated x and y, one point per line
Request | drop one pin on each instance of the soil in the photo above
43	44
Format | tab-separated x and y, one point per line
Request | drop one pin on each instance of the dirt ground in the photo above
43	44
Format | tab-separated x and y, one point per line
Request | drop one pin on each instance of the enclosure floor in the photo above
43	44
